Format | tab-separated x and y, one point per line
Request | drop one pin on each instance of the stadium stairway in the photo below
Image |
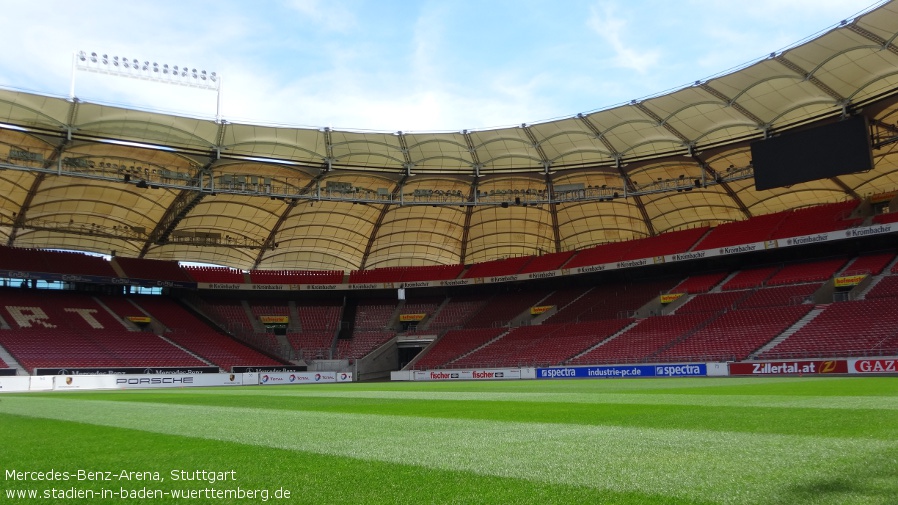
862	295
719	287
253	320
472	351
801	323
609	339
11	362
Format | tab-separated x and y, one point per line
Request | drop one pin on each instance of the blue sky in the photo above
401	65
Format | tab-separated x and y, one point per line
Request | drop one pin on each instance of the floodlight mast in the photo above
147	71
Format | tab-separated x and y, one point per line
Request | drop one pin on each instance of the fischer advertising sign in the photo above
789	367
478	374
876	365
623	371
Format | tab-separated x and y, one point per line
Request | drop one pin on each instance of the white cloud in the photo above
330	15
614	31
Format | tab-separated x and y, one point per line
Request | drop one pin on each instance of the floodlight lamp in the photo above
135	63
203	75
82	56
165	69
213	76
115	60
93	57
126	64
105	59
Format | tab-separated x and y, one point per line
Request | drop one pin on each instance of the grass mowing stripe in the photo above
878	424
692	464
310	478
802	402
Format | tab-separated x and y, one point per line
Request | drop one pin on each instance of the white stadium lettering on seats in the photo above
27	317
88	316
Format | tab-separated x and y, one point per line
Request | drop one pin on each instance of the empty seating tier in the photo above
734	335
853	328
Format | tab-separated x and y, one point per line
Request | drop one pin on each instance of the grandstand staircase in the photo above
188	351
719	287
294	324
673	343
126	323
7	358
3	324
425	325
253	320
862	295
159	329
801	323
472	351
603	342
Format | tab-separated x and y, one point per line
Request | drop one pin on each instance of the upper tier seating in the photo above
664	244
161	270
216	274
296	276
599	254
816	219
890	217
406	274
547	262
496	268
60	262
749	231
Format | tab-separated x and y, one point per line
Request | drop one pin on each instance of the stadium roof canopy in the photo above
92	177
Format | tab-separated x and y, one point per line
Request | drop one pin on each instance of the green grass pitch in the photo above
644	441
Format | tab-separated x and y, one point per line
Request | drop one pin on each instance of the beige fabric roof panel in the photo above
264	175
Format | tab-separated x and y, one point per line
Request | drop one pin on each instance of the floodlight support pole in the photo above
72	86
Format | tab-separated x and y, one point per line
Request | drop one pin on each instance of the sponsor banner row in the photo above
623	371
476	374
873	365
121	381
95	279
146	381
129	370
798	367
280	378
14	384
